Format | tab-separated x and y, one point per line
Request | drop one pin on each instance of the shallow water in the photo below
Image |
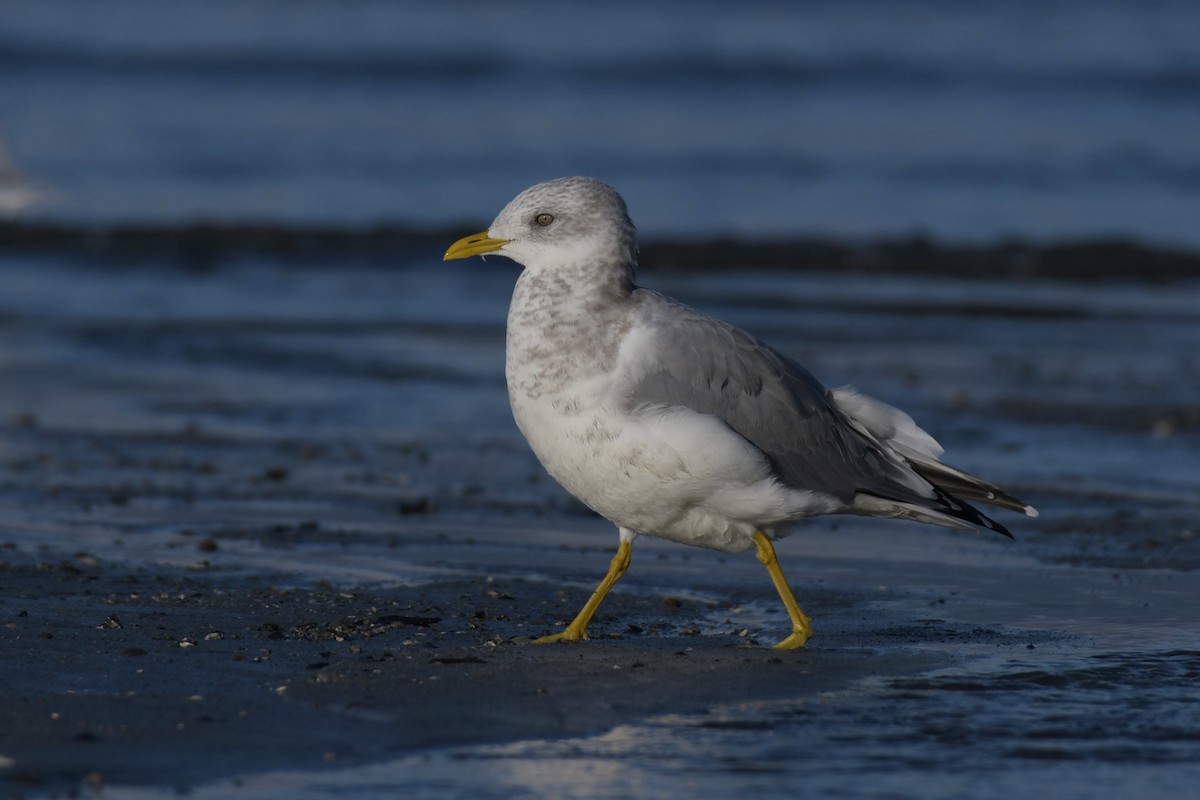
1090	706
986	732
1044	120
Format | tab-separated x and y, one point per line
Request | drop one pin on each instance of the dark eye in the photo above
544	219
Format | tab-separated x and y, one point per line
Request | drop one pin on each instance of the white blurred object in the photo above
15	192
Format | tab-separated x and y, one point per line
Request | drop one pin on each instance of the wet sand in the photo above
272	519
168	678
183	677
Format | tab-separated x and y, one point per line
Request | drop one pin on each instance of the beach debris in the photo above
276	474
416	505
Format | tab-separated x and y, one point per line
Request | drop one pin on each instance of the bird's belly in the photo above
581	449
689	480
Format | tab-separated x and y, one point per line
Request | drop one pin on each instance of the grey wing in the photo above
776	404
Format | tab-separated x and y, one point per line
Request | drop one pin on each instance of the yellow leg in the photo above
577	630
801	624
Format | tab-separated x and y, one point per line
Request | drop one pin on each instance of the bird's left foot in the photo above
568	634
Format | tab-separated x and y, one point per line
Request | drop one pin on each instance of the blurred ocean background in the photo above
965	121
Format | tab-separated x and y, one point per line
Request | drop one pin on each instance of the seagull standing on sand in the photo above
673	424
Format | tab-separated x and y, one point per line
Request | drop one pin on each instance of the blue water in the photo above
964	120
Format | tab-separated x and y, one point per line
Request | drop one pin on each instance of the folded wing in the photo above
870	456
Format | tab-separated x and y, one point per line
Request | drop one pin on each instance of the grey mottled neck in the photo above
566	325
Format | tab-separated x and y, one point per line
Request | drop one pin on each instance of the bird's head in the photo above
559	222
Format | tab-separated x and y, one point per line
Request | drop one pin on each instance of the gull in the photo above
673	424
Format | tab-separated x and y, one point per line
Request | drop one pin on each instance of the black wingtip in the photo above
960	509
984	521
998	528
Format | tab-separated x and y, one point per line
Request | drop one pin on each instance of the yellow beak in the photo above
476	244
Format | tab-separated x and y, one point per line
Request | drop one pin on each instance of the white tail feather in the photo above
886	424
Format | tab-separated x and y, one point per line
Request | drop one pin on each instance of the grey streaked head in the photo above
559	222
